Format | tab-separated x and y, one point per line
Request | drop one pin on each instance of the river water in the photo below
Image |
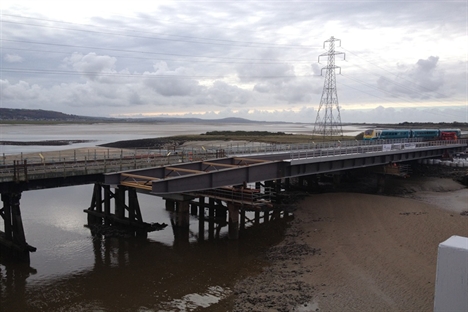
74	271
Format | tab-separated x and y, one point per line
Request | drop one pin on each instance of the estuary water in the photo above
74	271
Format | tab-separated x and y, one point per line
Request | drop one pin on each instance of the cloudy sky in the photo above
402	61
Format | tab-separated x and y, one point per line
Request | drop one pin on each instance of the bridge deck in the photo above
216	173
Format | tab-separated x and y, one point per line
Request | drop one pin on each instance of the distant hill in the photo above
39	115
13	114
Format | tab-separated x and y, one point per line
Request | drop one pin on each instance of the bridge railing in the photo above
371	147
74	163
265	148
92	161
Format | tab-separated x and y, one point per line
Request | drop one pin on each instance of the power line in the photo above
142	52
171	60
225	41
121	75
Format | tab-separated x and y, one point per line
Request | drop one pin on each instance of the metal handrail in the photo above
69	163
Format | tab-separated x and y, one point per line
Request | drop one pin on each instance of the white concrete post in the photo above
451	287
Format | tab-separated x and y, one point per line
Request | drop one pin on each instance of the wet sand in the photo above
360	252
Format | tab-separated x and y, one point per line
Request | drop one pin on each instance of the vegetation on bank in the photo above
250	136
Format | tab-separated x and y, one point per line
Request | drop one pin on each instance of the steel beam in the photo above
216	173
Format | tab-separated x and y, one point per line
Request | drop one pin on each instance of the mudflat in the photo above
360	252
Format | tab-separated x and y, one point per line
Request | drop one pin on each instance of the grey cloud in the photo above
169	84
19	91
91	64
173	86
418	81
256	72
13	58
225	39
223	94
297	90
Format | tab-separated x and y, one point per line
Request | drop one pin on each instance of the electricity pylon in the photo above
330	124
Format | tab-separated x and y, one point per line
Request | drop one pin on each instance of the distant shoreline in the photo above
44	143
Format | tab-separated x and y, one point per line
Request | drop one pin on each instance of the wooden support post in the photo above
7	216
242	219
170	205
211	218
14	243
98	197
257	217
193	209
133	205
233	227
17	224
120	202
180	221
221	213
183	219
276	194
107	204
201	218
96	205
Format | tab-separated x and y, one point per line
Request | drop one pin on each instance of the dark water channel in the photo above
74	271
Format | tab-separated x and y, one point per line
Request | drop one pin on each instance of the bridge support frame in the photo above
13	241
127	217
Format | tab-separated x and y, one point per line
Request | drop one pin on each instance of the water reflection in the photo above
74	271
13	283
131	274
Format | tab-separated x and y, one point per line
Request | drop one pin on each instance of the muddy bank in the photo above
153	143
361	252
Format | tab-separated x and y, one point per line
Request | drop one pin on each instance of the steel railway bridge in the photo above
186	184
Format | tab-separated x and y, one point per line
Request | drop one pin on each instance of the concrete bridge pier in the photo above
13	241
